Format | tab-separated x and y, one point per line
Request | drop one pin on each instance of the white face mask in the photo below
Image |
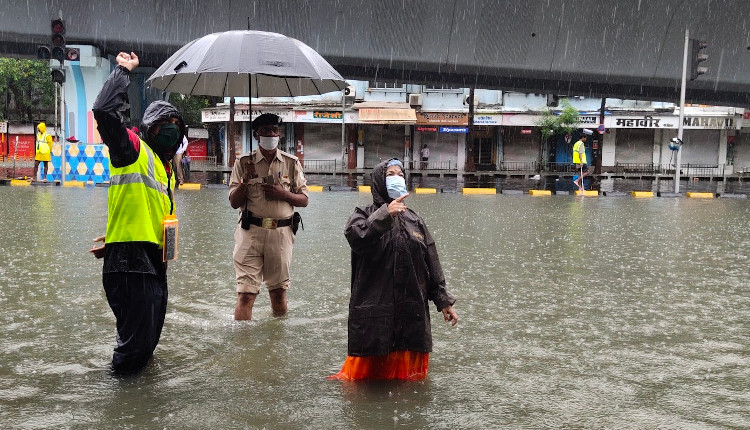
269	143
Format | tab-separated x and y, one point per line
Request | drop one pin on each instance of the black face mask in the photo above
167	138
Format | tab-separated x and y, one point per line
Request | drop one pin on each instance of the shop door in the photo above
700	147
484	149
382	142
634	146
741	154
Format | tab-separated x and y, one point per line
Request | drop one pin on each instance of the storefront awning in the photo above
385	113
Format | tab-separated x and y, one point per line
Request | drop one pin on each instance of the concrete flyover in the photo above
623	49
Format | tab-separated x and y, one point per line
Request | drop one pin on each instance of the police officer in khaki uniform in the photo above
266	185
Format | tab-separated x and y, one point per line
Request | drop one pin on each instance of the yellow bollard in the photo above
642	193
365	189
425	190
694	195
540	192
479	191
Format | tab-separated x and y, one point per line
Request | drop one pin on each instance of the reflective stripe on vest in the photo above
138	200
41	137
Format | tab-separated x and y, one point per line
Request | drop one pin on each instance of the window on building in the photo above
385	85
442	88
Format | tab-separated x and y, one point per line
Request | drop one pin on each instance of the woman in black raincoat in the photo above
395	271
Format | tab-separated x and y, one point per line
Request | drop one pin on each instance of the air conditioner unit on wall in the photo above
476	100
415	99
350	91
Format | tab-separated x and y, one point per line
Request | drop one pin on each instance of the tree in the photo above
552	125
190	106
26	89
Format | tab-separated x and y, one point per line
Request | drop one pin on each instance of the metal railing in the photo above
199	162
646	168
320	165
519	166
559	167
433	165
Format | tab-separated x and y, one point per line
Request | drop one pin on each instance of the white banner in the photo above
671	122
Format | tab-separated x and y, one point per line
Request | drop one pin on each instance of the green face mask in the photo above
168	137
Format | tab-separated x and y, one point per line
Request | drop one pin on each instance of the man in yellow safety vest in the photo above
141	205
42	151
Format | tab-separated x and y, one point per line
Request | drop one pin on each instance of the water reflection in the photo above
584	313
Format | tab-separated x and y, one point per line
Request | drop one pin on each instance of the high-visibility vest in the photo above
139	198
42	147
579	153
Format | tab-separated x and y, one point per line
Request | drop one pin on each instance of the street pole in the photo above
682	112
343	128
62	128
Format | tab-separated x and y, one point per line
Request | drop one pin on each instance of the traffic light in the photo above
697	57
58	76
58	39
43	52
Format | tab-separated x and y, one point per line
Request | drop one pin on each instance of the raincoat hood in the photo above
378	189
42	127
159	111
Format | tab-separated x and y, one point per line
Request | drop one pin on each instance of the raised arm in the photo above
108	109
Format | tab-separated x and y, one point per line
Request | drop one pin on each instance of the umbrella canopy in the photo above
230	63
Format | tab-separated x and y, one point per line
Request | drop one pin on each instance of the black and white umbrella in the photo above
239	63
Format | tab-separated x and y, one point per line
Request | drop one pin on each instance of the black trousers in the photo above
139	303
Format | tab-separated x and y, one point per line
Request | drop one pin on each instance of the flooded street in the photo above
608	312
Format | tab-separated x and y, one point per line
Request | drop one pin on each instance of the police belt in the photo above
270	223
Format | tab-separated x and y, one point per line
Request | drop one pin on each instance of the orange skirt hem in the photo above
407	365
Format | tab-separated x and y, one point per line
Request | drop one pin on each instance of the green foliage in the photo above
28	87
190	107
555	125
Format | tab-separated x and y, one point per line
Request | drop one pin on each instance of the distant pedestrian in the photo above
42	151
425	155
579	159
182	162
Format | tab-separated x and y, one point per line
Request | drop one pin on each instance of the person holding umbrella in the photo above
266	184
140	209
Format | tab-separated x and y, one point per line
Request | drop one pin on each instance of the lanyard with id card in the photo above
170	238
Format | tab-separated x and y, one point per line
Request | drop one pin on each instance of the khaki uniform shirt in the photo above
280	168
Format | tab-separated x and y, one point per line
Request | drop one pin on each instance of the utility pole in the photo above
682	113
693	48
469	165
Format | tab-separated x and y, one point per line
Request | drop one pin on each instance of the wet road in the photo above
607	312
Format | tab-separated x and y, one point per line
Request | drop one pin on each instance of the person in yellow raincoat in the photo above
42	151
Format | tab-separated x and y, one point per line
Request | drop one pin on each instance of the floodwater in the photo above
608	312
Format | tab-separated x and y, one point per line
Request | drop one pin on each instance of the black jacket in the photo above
109	112
395	271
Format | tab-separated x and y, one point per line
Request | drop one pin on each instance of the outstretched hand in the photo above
98	251
128	61
397	206
449	315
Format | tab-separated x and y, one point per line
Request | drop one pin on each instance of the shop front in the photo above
384	132
643	140
444	136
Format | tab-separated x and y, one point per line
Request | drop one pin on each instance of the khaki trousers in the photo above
262	255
